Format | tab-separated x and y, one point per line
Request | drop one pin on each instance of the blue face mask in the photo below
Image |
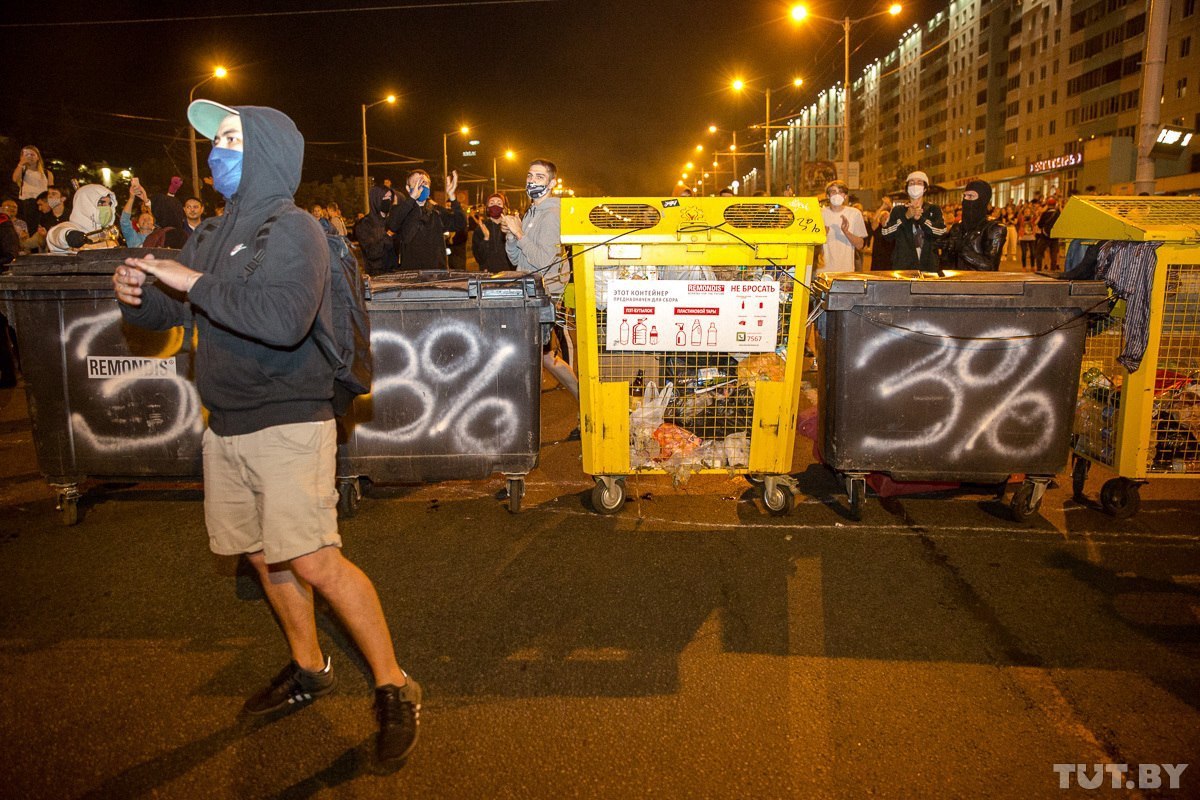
226	167
423	195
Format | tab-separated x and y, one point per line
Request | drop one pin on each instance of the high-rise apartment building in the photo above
1034	96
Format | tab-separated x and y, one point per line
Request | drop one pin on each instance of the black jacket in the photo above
256	364
978	248
902	232
371	233
490	252
420	230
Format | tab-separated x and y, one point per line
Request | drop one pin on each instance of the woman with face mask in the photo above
93	222
487	238
915	228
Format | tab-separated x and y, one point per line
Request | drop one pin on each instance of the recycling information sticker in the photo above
693	316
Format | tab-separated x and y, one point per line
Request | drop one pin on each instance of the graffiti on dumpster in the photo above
127	415
443	382
998	406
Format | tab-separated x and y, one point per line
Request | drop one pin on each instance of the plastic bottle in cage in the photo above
653	334
680	336
638	387
639	332
697	333
623	336
712	334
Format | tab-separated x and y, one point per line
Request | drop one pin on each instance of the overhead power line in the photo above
300	13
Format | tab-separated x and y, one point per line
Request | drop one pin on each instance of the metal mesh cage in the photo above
711	410
759	215
1146	212
1174	421
624	216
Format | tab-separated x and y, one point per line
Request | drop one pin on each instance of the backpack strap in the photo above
260	246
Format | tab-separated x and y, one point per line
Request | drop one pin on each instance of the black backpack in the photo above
348	345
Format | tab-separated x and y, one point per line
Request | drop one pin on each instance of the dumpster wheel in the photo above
856	488
779	494
349	493
68	506
1121	497
609	494
1027	499
516	491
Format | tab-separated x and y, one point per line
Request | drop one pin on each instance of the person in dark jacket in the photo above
374	238
487	242
915	228
270	448
1045	243
421	225
977	242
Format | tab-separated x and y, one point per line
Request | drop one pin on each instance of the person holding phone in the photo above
32	178
487	237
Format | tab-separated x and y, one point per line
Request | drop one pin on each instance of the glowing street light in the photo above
464	130
219	72
801	13
391	98
740	85
509	155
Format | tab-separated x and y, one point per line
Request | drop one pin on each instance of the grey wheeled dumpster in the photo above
457	389
106	399
966	376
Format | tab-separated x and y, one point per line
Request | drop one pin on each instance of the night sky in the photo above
617	93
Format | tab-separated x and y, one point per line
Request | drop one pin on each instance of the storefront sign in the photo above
1054	164
693	316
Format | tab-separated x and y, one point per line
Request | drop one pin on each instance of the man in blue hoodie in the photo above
270	448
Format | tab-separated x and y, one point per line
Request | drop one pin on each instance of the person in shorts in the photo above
270	446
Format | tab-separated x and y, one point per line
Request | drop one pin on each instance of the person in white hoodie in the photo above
93	222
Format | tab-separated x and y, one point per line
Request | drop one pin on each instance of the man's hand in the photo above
511	224
845	226
127	284
914	210
170	273
451	184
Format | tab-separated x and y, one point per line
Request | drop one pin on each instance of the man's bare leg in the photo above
356	603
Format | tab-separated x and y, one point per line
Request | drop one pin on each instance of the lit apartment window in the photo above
1181	88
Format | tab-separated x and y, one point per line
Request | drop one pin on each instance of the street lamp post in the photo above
464	130
739	85
800	13
732	147
508	154
219	72
391	98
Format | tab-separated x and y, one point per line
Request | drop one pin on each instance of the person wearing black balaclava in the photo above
374	238
977	242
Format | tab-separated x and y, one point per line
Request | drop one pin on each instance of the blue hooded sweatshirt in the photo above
256	364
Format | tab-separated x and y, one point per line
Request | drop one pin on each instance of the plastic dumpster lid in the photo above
669	220
85	262
454	285
1132	219
952	282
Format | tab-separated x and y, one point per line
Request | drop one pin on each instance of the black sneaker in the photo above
398	709
292	688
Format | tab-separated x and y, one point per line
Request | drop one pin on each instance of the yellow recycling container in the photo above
691	318
1138	412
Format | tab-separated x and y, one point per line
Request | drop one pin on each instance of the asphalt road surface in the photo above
689	646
